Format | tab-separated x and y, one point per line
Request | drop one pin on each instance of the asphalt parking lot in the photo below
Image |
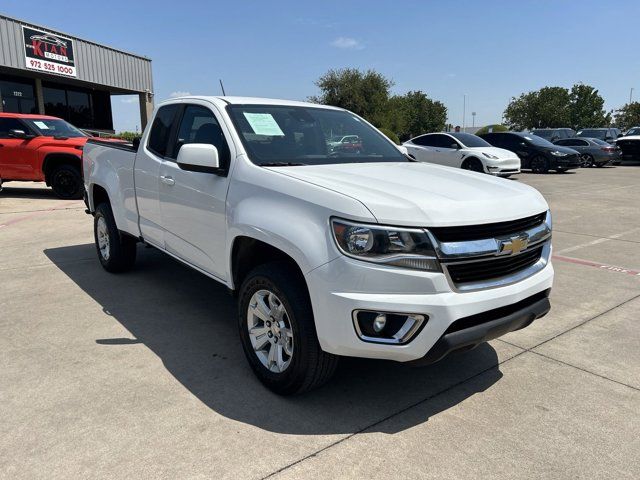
142	375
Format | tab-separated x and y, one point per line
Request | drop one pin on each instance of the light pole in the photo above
630	94
464	110
473	121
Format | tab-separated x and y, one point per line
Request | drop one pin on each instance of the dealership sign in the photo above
49	53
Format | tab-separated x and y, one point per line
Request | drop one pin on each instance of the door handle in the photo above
167	180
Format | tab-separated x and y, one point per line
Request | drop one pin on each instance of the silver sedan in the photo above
593	151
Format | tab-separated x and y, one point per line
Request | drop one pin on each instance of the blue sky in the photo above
488	50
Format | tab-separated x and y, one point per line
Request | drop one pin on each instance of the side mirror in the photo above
18	134
455	146
199	157
404	150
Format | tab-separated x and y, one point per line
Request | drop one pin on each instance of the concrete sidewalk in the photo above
142	375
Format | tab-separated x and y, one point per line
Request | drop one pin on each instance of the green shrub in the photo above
492	128
392	136
128	136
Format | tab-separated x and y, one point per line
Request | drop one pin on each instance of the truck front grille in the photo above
492	268
488	230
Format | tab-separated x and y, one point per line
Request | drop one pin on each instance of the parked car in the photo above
629	146
41	148
535	152
463	150
329	254
553	134
593	151
607	134
345	143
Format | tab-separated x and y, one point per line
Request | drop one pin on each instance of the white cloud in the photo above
347	43
179	93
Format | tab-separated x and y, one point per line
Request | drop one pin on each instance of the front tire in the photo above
473	164
539	164
278	332
66	182
587	160
116	251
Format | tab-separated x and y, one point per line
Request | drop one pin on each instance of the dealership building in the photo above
48	72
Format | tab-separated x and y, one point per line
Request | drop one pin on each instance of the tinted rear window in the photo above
159	135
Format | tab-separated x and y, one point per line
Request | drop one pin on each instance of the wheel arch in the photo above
53	160
472	158
249	252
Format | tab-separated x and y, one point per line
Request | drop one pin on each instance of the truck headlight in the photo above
556	153
401	247
490	155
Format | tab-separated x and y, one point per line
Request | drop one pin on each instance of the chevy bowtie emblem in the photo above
513	245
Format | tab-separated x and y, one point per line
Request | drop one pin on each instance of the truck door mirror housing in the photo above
199	157
19	134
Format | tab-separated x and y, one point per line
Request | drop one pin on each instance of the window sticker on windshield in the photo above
41	125
263	124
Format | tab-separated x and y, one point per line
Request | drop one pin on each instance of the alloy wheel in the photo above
270	331
103	238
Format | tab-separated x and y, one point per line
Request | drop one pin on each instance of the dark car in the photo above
593	151
633	131
607	134
553	134
536	153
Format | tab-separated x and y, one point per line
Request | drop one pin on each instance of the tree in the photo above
364	93
548	107
492	128
628	116
587	108
415	113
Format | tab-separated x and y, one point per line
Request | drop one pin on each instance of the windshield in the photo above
283	135
539	141
593	133
469	140
633	131
54	128
544	133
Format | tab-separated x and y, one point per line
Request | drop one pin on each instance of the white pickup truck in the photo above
329	252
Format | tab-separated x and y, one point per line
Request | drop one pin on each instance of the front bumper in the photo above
344	285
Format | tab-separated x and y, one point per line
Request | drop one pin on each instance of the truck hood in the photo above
420	194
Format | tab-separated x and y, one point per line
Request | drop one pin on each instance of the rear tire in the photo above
539	164
116	251
587	160
274	305
66	182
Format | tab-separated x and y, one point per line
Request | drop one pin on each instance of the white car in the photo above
329	254
463	150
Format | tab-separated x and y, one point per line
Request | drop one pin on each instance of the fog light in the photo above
379	322
387	327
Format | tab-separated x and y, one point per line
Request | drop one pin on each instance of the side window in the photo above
442	141
580	143
565	143
161	128
7	124
199	125
511	142
423	140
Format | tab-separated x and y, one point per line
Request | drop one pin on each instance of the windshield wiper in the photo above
282	164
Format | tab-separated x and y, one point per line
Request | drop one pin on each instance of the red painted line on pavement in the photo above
34	214
604	266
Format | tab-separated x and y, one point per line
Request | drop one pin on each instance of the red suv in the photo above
42	148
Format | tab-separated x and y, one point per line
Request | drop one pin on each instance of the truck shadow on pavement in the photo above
189	321
33	193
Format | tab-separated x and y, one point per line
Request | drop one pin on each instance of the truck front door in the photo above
17	160
192	203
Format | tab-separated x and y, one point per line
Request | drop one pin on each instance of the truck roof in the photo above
231	100
27	115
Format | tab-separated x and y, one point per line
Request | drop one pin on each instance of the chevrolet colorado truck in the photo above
41	148
329	252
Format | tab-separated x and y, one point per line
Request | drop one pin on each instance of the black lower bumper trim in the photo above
468	332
